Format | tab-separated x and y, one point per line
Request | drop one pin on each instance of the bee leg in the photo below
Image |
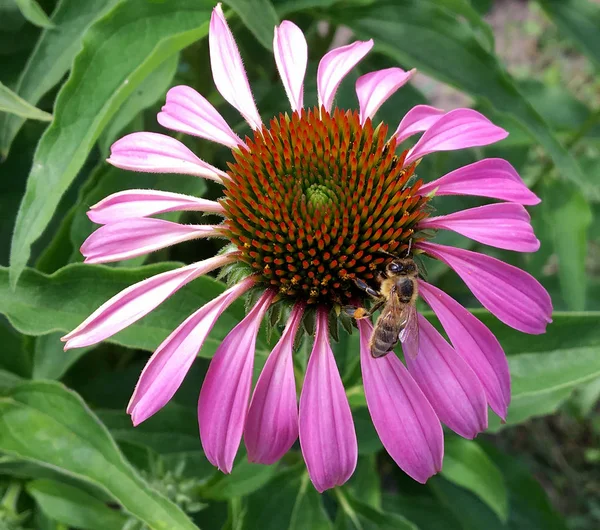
361	312
364	287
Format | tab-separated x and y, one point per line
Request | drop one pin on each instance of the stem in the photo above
341	497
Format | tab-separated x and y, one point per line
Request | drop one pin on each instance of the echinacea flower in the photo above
314	202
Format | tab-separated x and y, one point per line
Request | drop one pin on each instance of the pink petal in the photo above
491	177
458	129
272	423
137	301
416	120
187	111
143	203
374	88
168	366
335	65
291	57
157	153
504	225
512	295
228	70
223	402
403	418
475	343
136	237
452	388
327	436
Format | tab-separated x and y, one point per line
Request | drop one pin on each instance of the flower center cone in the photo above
319	200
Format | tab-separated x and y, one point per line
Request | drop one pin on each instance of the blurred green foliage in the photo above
98	69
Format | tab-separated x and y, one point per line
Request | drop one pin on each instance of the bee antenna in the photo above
385	252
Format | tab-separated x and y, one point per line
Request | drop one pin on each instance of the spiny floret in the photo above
315	199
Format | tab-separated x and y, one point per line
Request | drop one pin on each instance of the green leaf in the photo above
38	305
50	361
580	20
420	33
32	11
8	380
356	515
13	104
244	479
568	216
153	88
309	511
530	506
175	430
45	423
365	482
465	506
467	465
73	507
464	8
151	32
277	498
423	510
259	16
15	358
52	58
542	381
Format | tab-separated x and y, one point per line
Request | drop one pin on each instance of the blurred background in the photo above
99	69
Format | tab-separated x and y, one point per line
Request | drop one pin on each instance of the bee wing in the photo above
409	336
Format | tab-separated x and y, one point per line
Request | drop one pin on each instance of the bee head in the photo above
402	267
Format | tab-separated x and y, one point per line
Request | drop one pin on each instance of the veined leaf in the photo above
259	16
32	11
151	32
580	20
13	104
152	89
74	507
568	216
467	465
542	381
49	425
52	57
420	33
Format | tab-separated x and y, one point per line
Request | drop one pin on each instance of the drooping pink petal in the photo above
374	88
335	65
491	177
228	70
272	423
475	343
291	57
512	295
137	301
168	366
189	112
452	388
136	237
143	203
327	435
223	402
416	120
458	129
406	423
157	153
504	225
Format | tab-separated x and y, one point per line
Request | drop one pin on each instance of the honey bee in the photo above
398	321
